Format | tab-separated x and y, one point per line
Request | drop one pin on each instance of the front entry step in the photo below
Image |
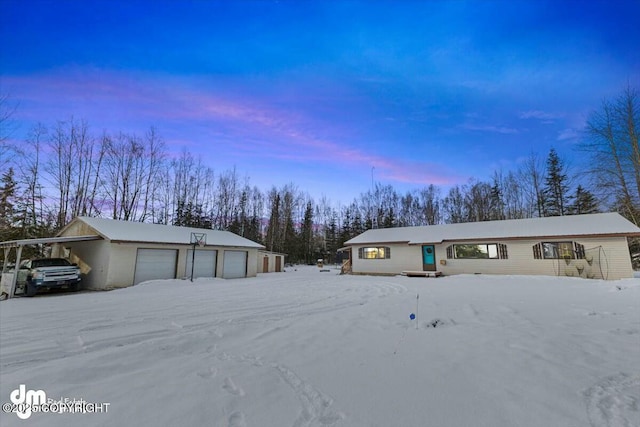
422	273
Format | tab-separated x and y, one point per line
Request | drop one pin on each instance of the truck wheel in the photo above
75	287
30	289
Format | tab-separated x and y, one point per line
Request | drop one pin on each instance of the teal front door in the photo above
428	258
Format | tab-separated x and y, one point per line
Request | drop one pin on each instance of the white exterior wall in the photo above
91	256
252	262
615	263
122	266
272	261
403	257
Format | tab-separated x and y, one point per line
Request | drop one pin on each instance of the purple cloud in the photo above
190	115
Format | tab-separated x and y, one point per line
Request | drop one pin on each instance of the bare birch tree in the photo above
531	176
73	169
8	151
612	143
31	178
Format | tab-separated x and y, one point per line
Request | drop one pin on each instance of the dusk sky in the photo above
326	94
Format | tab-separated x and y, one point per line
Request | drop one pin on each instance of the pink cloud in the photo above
252	125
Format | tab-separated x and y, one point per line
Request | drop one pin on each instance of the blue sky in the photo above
326	94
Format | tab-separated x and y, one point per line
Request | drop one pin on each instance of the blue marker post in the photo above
417	300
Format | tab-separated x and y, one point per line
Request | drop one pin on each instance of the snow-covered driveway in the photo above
310	348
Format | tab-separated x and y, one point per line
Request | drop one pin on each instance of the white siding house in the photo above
588	246
127	253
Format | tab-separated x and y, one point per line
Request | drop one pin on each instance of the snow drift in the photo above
310	348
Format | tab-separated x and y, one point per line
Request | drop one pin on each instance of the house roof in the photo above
129	231
603	224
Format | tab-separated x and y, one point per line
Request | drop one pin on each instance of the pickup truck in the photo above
48	273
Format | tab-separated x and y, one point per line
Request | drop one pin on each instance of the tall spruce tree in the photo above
8	189
556	187
497	201
306	234
273	228
331	238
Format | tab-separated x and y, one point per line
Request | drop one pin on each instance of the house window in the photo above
379	252
558	250
478	251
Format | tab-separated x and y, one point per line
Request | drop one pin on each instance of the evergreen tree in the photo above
273	228
307	234
345	231
291	240
584	202
556	186
331	238
358	227
497	201
8	230
368	222
191	215
389	219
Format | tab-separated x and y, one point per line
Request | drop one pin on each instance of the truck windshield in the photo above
50	262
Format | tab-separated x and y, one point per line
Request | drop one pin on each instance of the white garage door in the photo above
204	265
155	264
235	264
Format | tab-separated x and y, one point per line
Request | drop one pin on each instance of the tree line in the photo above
64	170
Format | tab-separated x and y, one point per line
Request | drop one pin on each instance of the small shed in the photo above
270	262
125	253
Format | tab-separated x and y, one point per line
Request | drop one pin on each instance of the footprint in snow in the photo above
208	374
73	344
237	420
175	326
316	406
614	401
230	387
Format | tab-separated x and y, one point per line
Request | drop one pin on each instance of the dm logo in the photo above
25	400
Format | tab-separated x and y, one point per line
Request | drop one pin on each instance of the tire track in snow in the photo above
231	387
237	420
315	405
614	401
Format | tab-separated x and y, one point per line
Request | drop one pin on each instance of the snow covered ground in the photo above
311	348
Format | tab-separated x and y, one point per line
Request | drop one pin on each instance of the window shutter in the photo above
502	250
579	250
361	253
387	252
450	251
537	251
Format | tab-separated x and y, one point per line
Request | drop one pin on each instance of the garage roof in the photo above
46	240
129	231
603	224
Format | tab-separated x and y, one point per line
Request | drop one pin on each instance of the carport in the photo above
19	244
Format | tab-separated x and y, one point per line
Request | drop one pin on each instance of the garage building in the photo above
127	253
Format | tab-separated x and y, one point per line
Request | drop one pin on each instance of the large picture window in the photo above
558	250
377	252
555	250
477	251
